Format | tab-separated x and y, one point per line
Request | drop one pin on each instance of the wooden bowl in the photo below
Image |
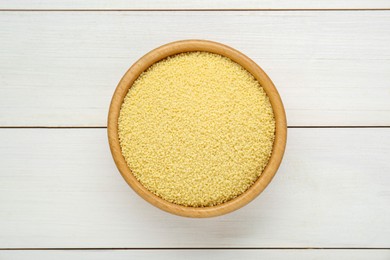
187	46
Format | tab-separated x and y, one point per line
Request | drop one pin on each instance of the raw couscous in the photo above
196	129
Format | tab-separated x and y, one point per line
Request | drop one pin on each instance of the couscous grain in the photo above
196	129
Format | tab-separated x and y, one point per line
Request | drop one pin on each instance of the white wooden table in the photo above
61	196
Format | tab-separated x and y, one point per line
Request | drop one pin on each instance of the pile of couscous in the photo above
196	129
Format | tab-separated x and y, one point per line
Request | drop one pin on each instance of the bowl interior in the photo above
187	46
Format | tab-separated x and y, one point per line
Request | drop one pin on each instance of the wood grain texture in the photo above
269	254
61	68
60	188
193	4
178	47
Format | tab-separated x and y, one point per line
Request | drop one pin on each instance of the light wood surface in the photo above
60	188
178	47
193	4
305	254
61	67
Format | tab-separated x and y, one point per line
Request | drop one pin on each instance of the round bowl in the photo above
187	46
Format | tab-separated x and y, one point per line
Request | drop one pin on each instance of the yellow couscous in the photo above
196	129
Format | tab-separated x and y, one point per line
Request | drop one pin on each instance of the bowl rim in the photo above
189	46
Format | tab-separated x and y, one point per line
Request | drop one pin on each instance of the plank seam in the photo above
194	248
200	10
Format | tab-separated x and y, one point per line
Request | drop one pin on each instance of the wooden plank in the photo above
59	188
193	4
198	254
61	68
